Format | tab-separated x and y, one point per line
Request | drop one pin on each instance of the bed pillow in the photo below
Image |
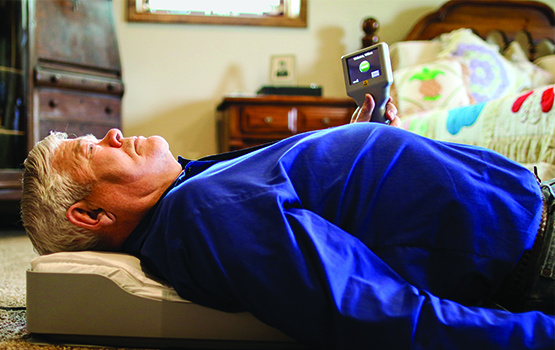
491	75
438	84
534	76
546	63
409	53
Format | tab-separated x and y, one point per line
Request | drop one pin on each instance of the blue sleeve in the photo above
322	286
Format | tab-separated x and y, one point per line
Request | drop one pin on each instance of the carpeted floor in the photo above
16	252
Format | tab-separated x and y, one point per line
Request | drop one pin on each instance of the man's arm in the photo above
364	113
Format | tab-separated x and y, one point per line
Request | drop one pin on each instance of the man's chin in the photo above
159	142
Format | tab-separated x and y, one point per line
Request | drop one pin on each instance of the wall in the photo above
176	74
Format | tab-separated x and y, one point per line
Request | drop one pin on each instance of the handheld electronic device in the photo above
369	71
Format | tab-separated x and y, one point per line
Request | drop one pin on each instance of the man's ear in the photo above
81	214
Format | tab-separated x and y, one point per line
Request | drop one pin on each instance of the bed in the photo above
446	88
481	73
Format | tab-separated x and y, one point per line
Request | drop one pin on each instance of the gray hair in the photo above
47	195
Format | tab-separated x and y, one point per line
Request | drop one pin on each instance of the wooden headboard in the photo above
531	23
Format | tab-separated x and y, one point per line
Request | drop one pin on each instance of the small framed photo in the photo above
282	70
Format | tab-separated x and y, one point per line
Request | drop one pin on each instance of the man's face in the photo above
133	165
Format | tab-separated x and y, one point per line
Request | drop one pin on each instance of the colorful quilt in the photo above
519	126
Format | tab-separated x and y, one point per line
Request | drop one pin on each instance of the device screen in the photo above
364	67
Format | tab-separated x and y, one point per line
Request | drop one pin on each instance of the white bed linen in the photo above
123	269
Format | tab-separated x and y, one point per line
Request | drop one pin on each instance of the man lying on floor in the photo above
350	237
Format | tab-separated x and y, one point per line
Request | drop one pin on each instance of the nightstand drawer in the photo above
268	119
248	121
314	118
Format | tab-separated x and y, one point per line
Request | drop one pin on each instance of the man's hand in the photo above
364	113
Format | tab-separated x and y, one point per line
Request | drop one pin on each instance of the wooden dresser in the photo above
72	75
250	121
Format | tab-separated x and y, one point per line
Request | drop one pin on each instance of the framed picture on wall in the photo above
282	70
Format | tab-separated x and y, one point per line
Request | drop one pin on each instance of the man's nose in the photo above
113	138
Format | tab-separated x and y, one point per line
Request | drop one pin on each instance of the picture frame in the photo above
283	70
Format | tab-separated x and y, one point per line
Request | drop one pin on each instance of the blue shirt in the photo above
357	236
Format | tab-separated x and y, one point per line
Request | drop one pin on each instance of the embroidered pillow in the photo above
491	75
438	84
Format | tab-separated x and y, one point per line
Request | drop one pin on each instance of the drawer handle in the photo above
108	110
326	121
52	104
268	120
54	79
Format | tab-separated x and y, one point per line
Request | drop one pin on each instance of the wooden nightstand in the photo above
250	121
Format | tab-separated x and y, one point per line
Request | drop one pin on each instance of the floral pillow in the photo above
491	74
438	84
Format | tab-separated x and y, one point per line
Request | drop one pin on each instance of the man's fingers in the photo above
390	111
365	112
